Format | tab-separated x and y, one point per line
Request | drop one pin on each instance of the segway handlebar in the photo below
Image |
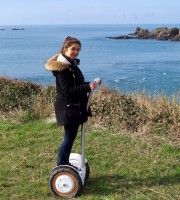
98	82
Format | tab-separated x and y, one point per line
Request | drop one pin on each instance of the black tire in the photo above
57	175
87	172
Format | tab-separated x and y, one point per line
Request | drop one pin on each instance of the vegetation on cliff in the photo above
135	113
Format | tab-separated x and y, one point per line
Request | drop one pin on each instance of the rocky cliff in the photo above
163	33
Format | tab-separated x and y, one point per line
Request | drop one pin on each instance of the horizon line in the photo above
89	24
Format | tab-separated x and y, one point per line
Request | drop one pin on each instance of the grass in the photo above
123	166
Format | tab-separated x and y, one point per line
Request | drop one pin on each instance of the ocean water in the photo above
128	65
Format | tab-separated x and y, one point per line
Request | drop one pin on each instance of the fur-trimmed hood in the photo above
57	63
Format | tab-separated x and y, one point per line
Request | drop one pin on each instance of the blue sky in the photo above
21	12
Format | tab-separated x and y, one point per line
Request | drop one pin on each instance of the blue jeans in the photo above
70	133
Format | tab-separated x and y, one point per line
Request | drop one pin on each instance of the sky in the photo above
36	12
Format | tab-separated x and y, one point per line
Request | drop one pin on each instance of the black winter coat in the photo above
71	90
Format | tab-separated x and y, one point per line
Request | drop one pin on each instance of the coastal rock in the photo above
142	33
163	33
173	32
17	29
176	38
120	37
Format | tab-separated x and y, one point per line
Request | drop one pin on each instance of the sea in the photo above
133	65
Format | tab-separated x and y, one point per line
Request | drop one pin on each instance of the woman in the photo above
71	94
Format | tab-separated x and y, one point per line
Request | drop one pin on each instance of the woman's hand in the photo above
93	85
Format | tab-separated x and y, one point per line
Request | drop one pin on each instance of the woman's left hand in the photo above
93	85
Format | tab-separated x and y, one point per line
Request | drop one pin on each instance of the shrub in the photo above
114	109
136	113
110	108
18	95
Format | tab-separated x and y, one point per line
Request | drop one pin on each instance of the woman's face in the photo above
72	51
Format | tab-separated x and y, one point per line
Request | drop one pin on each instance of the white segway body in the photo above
67	181
76	160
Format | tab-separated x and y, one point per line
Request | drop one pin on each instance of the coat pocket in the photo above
73	110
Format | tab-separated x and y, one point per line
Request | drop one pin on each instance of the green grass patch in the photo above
122	166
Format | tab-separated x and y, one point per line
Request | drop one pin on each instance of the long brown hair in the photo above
69	41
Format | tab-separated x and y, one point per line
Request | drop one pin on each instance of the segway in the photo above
67	181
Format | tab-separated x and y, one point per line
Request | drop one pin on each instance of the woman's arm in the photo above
65	82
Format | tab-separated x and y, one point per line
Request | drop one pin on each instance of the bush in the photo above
114	109
17	95
136	112
110	108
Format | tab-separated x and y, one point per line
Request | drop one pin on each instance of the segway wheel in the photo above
65	182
